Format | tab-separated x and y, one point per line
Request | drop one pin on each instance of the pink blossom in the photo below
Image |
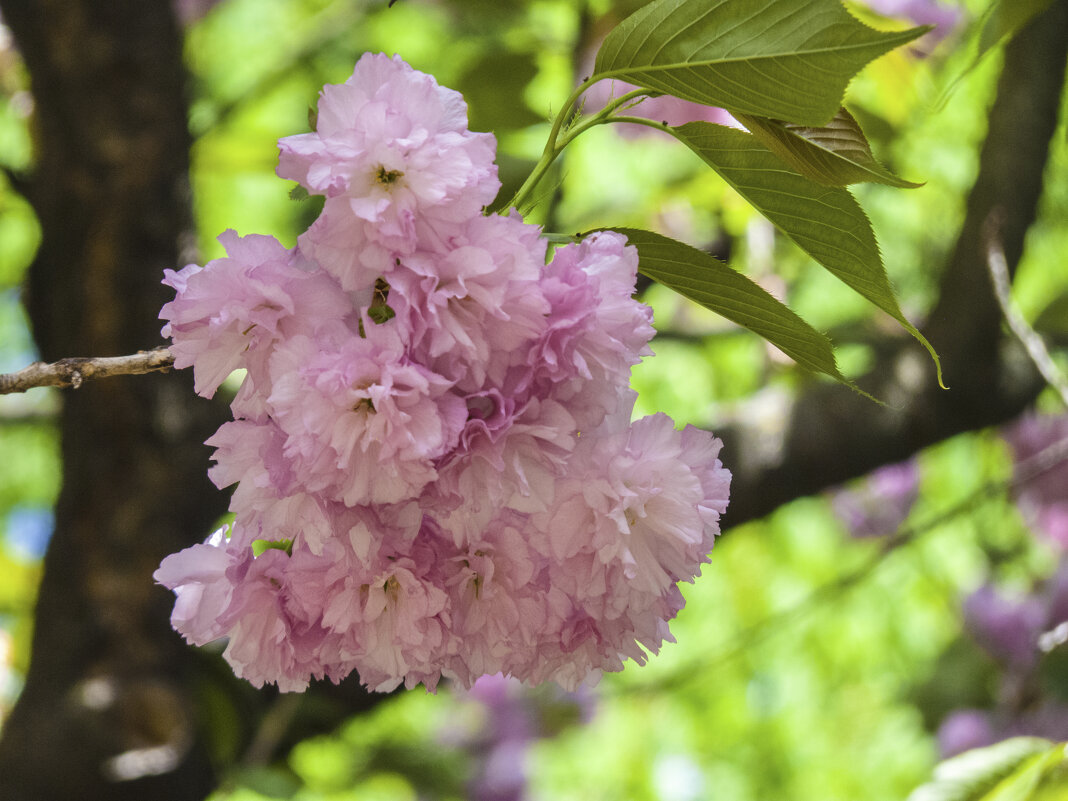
472	306
199	577
1007	628
435	469
634	503
250	455
391	150
497	587
263	646
596	331
226	314
510	458
362	423
390	610
632	518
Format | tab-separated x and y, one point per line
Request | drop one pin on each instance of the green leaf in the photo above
836	154
703	278
1026	779
260	547
786	59
977	775
1005	18
298	192
826	222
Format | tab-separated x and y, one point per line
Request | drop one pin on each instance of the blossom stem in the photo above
560	136
71	372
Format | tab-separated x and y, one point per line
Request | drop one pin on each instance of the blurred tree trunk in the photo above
106	712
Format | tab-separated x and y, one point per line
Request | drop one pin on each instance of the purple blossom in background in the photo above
878	505
965	729
501	749
1043	500
1014	631
516	716
665	108
435	465
922	12
1006	628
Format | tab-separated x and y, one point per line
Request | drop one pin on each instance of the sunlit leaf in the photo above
1025	781
704	279
977	775
824	221
836	154
785	59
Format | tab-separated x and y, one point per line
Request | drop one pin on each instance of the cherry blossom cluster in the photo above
435	469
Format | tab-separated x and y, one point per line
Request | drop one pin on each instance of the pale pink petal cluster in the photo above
397	164
434	466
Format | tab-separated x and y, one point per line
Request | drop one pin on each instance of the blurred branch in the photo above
999	276
72	372
273	729
829	434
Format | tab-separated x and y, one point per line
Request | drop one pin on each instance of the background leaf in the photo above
787	59
825	222
836	154
1002	20
1052	321
1005	18
493	88
708	281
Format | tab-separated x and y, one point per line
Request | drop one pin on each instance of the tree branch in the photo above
73	371
1029	338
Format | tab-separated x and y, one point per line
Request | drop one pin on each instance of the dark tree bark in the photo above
106	712
832	434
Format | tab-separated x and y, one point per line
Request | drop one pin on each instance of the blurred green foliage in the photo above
805	659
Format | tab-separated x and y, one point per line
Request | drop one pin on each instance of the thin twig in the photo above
73	371
999	276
